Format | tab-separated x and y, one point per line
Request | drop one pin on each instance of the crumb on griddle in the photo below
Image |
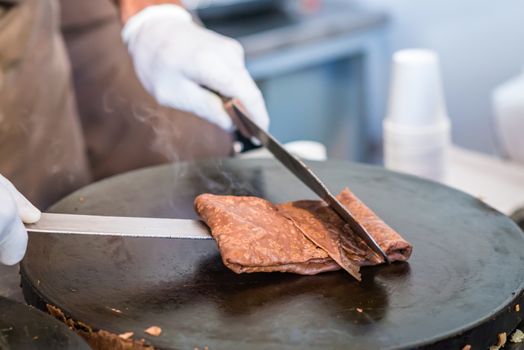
126	335
35	337
81	199
359	310
517	336
517	307
82	326
99	339
154	331
115	310
466	347
501	341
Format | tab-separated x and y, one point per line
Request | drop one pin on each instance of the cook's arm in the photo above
174	58
129	8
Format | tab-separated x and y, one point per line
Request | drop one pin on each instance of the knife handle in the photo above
229	105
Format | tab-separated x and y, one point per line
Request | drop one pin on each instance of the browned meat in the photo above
254	237
305	237
396	247
326	229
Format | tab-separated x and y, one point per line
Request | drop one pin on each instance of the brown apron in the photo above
124	127
41	144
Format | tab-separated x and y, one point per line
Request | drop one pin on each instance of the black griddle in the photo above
25	328
460	287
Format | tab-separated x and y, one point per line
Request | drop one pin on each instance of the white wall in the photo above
481	44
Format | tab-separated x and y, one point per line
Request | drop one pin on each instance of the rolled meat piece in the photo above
391	242
253	236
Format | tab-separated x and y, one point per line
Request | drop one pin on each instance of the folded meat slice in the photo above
326	229
253	236
305	237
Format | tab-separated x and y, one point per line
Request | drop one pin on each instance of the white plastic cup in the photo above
310	150
416	128
420	151
416	97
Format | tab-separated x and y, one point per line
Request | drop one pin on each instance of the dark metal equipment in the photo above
25	328
224	9
461	286
518	217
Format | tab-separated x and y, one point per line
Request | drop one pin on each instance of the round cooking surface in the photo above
460	287
25	328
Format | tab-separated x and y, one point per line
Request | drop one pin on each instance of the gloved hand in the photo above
174	57
14	209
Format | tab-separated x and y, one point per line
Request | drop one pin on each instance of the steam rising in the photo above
191	177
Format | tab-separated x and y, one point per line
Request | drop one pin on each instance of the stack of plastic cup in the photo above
416	128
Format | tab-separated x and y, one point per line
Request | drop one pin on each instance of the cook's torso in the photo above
41	144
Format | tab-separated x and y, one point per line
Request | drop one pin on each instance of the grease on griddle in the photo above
116	311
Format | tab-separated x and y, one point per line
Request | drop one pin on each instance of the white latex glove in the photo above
14	209
174	57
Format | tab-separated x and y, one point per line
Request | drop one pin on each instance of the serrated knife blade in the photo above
139	227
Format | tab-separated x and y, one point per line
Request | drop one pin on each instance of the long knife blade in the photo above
304	173
119	226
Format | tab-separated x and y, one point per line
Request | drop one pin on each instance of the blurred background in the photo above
324	65
324	69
